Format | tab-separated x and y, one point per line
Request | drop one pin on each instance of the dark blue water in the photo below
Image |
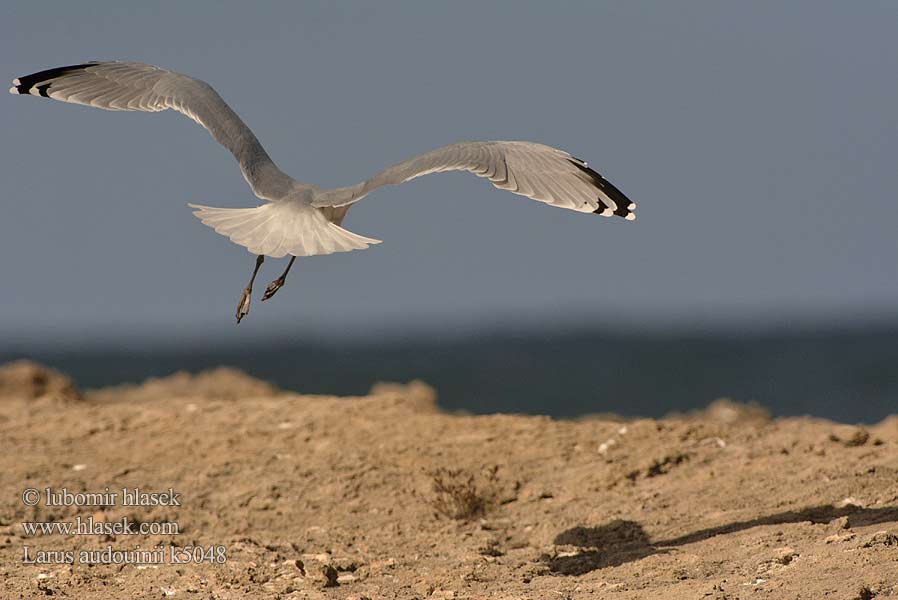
850	376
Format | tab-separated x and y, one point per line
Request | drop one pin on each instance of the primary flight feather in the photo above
301	219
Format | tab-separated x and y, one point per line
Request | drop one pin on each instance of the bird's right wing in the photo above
533	170
142	87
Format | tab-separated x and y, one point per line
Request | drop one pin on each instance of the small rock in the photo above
423	588
882	538
858	437
604	446
321	557
330	576
345	563
715	441
865	593
785	555
725	410
491	549
849	501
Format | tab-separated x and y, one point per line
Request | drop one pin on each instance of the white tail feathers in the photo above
281	228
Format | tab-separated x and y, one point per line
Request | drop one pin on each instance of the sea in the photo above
848	375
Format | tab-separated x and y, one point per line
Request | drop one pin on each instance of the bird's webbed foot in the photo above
243	305
273	287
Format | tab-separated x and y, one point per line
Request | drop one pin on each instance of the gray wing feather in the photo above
142	87
533	170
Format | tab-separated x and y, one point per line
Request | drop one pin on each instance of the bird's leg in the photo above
243	305
278	283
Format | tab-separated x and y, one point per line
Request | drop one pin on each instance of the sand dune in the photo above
385	496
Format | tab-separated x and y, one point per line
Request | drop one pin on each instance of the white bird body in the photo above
300	219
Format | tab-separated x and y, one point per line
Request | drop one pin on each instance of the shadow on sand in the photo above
620	541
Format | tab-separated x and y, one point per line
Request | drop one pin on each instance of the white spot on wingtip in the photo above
16	81
607	213
13	90
632	206
631	217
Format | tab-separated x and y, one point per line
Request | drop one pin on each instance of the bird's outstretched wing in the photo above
137	86
526	168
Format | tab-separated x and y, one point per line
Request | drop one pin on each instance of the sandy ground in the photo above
385	496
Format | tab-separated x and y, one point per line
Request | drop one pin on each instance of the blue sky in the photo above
760	141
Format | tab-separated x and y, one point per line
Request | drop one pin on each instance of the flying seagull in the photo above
301	219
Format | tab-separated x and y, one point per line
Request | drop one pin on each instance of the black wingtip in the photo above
24	85
625	206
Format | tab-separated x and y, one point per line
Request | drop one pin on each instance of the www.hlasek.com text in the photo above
89	526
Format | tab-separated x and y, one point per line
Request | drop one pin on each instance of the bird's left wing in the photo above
533	170
142	87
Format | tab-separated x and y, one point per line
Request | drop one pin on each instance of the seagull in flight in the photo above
301	219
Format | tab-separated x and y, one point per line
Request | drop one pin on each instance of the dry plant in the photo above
462	495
